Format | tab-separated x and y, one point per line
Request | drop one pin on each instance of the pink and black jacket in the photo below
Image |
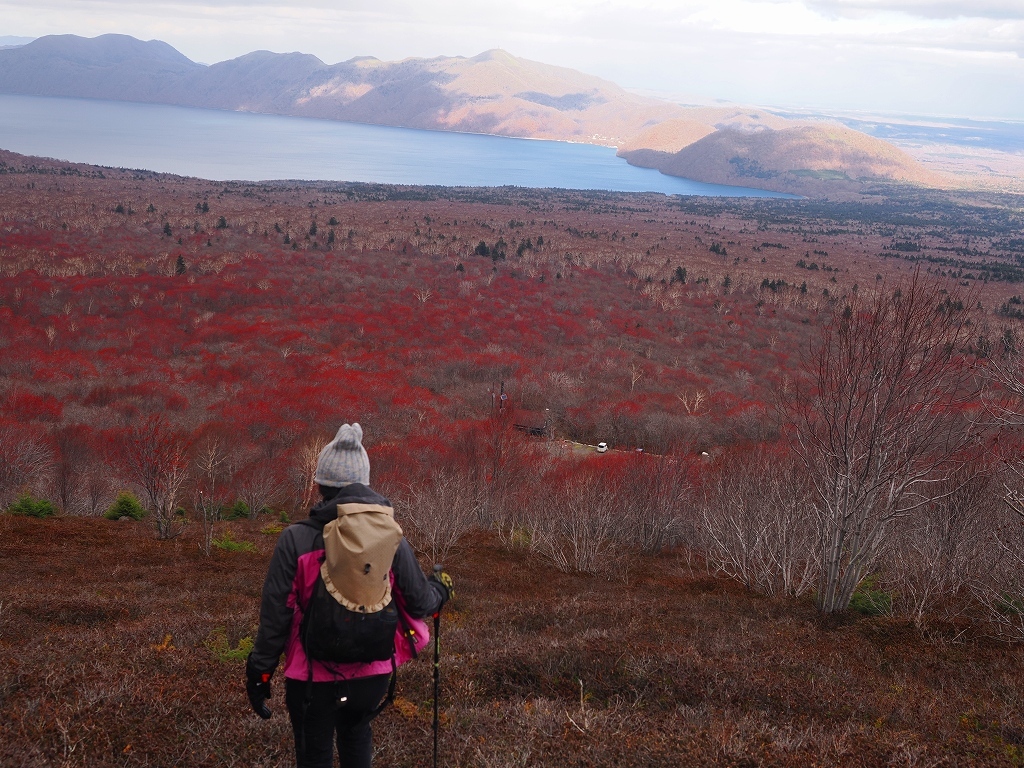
293	572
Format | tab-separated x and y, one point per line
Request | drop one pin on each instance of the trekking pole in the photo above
437	668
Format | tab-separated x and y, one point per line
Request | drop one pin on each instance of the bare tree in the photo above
26	461
72	463
438	513
652	501
941	550
635	374
304	467
501	462
155	457
879	420
259	485
95	488
1005	401
212	463
575	523
1004	390
759	524
692	400
1001	588
998	574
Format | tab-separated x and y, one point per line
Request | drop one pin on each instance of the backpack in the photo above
352	616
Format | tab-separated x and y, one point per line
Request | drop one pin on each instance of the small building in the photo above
533	423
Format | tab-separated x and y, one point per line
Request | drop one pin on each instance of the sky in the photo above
924	57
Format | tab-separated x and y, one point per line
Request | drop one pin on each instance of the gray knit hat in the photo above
343	460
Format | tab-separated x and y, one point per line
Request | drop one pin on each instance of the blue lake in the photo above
220	145
1000	135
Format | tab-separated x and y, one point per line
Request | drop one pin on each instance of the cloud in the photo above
932	56
925	9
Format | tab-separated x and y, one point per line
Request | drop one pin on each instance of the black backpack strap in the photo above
391	688
392	683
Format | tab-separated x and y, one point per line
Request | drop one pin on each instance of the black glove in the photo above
257	686
443	583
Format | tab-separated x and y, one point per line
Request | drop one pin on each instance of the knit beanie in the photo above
343	460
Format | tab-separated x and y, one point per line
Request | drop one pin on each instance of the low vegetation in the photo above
125	506
138	660
802	546
31	507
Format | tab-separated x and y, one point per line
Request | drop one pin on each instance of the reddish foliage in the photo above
395	322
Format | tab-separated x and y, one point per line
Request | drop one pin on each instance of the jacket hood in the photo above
356	493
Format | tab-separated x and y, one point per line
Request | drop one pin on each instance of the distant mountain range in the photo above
494	93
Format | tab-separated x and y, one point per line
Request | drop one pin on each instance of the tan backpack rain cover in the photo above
359	547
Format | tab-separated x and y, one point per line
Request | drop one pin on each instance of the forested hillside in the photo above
811	503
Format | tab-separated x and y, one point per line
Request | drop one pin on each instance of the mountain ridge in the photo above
493	92
805	159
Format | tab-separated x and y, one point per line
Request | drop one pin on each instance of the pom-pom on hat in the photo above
343	460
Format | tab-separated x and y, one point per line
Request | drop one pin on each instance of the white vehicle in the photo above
602	447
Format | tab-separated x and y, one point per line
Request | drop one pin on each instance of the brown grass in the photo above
659	666
663	666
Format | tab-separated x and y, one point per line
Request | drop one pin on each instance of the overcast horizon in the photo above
955	58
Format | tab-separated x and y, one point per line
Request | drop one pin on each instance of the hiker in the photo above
330	701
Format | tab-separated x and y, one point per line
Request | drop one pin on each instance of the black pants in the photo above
328	718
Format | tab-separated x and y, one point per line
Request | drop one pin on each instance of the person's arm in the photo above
275	622
275	614
423	597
